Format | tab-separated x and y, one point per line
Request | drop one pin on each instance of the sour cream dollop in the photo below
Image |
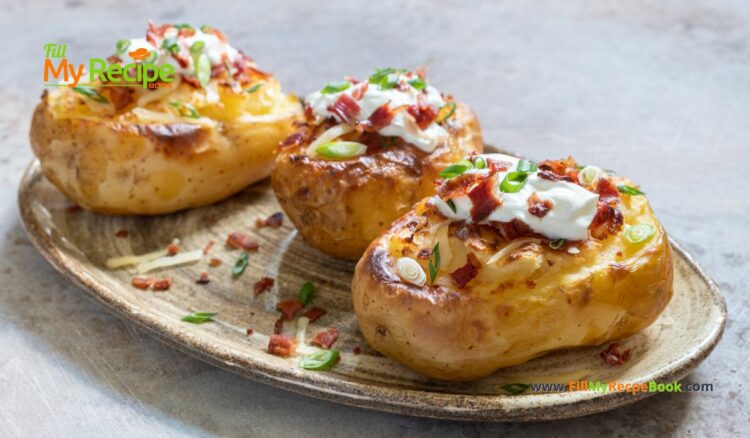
573	208
403	124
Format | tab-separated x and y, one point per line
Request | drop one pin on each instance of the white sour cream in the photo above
403	124
573	208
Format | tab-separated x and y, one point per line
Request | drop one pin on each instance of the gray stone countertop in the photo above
660	91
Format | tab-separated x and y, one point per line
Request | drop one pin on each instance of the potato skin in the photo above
121	166
537	300
339	207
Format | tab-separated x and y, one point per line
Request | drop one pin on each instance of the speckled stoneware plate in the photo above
78	243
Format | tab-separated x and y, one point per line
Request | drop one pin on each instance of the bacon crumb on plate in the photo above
121	233
289	308
162	284
214	262
357	349
203	279
141	282
249	331
314	313
208	247
273	221
614	356
281	345
173	249
262	285
278	326
326	338
242	241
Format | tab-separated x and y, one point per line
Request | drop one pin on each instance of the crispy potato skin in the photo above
339	207
118	166
532	301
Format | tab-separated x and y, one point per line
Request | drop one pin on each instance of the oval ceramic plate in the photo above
78	243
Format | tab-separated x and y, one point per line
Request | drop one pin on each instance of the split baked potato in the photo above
451	292
367	152
183	140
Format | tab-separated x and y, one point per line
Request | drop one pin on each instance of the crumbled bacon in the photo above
614	356
295	139
424	253
120	96
273	221
249	331
345	108
162	285
483	200
608	218
497	165
537	206
203	279
552	176
380	118
208	247
281	345
607	191
262	285
512	230
314	313
73	209
172	249
467	272
141	282
220	35
309	113
559	170
289	308
121	233
424	113
325	339
359	92
278	326
357	349
242	241
214	262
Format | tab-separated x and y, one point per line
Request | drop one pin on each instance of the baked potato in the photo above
366	153
511	260
182	140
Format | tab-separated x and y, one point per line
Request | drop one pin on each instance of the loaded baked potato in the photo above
367	152
508	261
183	140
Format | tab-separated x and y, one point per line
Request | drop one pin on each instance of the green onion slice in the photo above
515	388
341	149
203	68
513	182
457	169
170	45
91	94
306	292
434	263
589	174
254	88
557	243
526	166
199	317
321	360
197	48
151	57
182	26
206	28
185	109
418	84
480	163
639	233
446	111
451	204
121	47
335	87
240	265
386	78
629	190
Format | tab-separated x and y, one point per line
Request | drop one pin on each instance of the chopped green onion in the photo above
121	47
185	109
321	360
151	57
480	163
526	166
452	205
206	28
386	78
240	265
306	292
446	111
91	94
513	182
197	48
434	263
254	88
589	175
418	84
170	45
629	190
557	243
335	87
639	233
182	26
341	149
457	169
203	68
199	317
515	388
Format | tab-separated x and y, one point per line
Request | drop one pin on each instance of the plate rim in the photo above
536	407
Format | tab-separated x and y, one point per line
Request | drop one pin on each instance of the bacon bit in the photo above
288	308
497	165
278	326
326	338
242	241
172	249
281	345
72	209
608	219
345	108
614	356
162	285
607	191
467	272
356	349
249	331
551	176
214	262
483	199
273	221
380	118
512	230
295	139
424	253
537	206
309	114
424	114
262	285
314	313
531	284
203	279
187	32
208	247
191	81
359	92
120	96
220	35
421	72
121	233
141	282
559	170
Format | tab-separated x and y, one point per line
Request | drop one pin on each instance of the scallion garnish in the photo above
446	111
434	263
513	182
91	94
202	68
338	150
321	360
197	48
386	78
451	204
206	28
170	45
639	233
182	26
151	57
121	47
589	175
526	166
515	388
254	88
557	243
456	169
418	84
306	292
629	190
480	163
335	87
199	317
240	265
185	109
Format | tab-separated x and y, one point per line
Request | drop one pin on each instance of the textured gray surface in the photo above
657	90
